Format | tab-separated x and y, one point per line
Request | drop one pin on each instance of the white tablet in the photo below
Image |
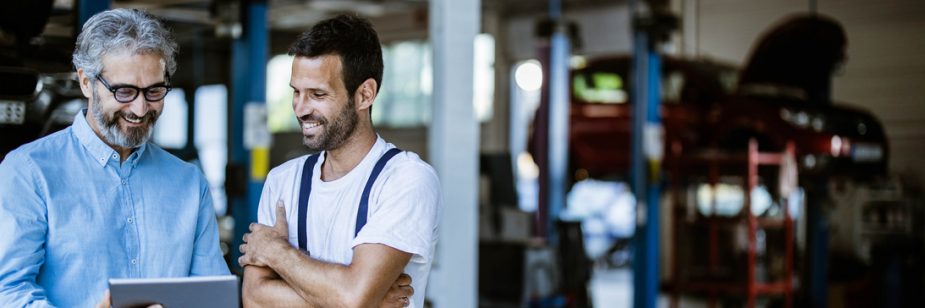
201	291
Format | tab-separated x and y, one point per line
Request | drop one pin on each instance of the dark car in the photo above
700	110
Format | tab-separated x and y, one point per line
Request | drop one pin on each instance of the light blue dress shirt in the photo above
72	216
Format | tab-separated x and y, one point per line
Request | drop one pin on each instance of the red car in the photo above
699	110
830	140
601	112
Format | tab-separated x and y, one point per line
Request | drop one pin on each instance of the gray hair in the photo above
122	30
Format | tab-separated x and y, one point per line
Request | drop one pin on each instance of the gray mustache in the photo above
149	117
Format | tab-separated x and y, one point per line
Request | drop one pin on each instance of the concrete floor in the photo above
614	288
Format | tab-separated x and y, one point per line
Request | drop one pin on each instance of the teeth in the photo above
309	125
133	121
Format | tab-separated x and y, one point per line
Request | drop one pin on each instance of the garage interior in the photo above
721	190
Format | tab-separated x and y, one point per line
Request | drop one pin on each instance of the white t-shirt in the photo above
404	208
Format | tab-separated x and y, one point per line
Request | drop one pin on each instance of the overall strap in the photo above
364	200
305	189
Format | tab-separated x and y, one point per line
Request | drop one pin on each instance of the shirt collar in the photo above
100	151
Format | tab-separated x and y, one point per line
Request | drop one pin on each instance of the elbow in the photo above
251	295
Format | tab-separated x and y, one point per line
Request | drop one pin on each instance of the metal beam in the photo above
249	65
647	145
453	151
558	118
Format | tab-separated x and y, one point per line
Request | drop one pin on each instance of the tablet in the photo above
200	291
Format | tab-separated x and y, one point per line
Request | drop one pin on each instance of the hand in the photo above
106	302
399	293
263	239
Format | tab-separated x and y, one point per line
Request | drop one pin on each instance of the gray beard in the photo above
112	133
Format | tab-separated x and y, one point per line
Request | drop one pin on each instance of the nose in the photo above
138	106
301	106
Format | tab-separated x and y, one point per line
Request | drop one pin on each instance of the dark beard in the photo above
133	137
336	132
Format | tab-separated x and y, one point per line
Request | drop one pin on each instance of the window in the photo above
280	117
484	77
212	139
170	131
405	96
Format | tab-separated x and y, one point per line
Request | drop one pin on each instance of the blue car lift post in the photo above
249	79
650	27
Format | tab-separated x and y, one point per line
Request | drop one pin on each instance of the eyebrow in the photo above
308	89
161	83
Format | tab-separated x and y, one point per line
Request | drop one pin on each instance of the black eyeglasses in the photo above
127	94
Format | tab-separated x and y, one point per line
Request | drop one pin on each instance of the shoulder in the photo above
43	153
289	168
46	147
408	168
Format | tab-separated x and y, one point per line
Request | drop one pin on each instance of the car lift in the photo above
652	24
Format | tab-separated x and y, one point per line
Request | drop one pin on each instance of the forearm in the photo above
264	288
321	284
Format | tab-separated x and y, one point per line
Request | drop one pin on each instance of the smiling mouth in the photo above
133	120
310	125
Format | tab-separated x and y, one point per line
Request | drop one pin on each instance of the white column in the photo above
453	150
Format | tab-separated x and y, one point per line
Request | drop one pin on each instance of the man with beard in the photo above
96	200
337	227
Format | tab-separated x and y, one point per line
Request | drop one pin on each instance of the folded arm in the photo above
362	283
264	288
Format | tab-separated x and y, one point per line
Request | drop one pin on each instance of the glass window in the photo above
484	77
281	118
599	87
170	131
212	139
407	85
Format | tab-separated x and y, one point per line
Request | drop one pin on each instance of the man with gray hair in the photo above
96	200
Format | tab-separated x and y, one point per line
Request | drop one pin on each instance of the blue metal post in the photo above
646	159
558	118
818	232
258	28
88	8
249	57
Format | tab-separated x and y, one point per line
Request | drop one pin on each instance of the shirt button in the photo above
134	261
115	156
130	220
124	182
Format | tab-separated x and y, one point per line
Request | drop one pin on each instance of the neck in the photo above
338	162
